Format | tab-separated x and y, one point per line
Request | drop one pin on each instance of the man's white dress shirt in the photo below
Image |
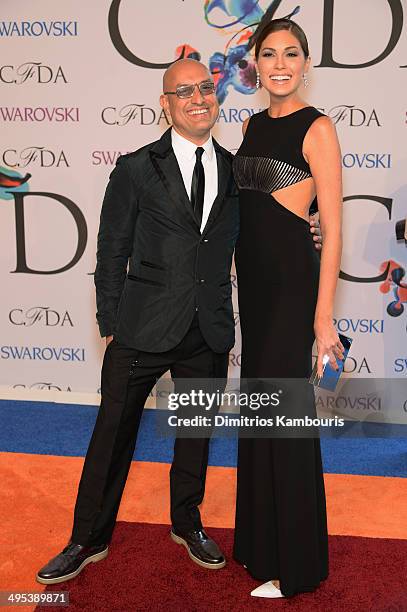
185	153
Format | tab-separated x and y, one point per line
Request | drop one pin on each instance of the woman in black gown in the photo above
289	155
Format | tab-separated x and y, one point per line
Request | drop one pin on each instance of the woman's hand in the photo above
328	343
315	229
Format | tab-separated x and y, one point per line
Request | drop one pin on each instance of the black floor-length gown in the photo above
281	530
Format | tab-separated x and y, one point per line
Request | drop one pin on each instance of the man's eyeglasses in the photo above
206	88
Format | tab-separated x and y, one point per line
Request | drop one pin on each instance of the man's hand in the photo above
316	231
108	340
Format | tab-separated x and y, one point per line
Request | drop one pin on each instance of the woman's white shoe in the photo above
267	590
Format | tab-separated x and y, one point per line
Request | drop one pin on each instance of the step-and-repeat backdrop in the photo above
80	84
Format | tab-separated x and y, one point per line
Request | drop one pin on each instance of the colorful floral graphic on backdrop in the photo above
234	67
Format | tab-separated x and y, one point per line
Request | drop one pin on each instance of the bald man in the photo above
168	228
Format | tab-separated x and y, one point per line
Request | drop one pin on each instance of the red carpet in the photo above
145	570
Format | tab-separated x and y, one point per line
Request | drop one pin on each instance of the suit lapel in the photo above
224	172
166	166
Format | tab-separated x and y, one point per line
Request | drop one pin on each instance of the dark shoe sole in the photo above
183	542
91	559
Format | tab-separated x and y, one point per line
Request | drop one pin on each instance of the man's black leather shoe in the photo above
70	562
201	548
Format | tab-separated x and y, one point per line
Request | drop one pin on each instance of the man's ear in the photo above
165	106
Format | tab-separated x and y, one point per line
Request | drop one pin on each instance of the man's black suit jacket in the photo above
154	267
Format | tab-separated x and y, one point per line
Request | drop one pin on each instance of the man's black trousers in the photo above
128	376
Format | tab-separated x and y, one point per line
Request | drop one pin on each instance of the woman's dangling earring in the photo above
258	81
304	76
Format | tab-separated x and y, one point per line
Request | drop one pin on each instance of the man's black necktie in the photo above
198	186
